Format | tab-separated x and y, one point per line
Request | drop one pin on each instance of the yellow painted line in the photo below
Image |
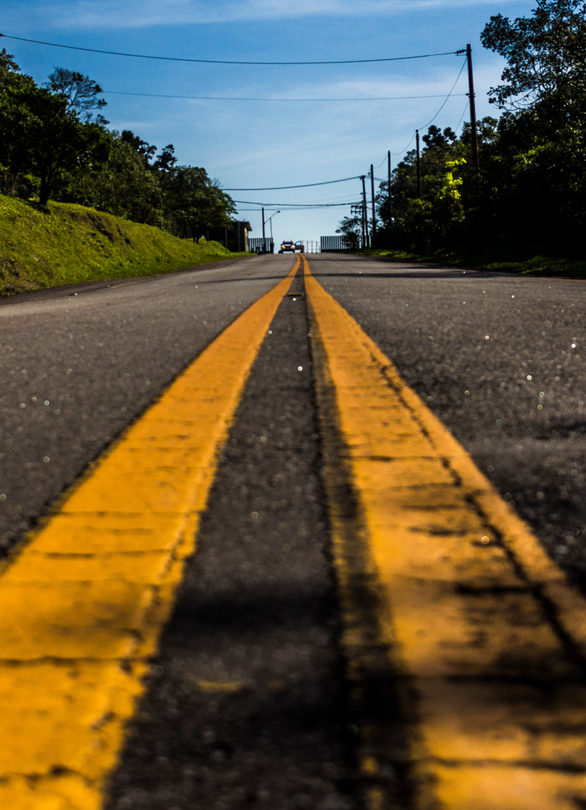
483	628
83	605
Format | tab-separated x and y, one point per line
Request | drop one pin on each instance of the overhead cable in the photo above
300	208
439	111
293	206
462	116
464	63
287	99
304	185
226	61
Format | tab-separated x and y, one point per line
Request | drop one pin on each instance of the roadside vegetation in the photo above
535	265
64	243
55	145
525	209
80	202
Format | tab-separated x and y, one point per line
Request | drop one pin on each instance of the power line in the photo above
241	98
301	208
294	206
225	61
462	116
448	96
396	154
440	109
305	185
343	180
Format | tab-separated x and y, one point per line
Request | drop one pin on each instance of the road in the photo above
248	562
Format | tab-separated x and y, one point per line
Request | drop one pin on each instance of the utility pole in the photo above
264	244
418	164
373	242
389	186
364	228
472	109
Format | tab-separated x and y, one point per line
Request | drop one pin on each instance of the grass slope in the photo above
66	244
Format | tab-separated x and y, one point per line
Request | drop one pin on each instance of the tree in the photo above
9	70
541	146
194	203
14	120
165	161
142	148
57	141
80	92
50	137
351	228
436	138
546	56
123	185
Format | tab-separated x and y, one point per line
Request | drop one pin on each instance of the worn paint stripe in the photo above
83	605
485	633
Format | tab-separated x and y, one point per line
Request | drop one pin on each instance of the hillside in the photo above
69	243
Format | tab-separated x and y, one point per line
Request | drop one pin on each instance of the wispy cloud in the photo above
114	14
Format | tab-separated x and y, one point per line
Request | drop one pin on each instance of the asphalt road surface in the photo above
81	363
254	697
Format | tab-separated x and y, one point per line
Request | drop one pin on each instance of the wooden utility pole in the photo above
472	109
389	186
364	228
373	240
264	244
418	164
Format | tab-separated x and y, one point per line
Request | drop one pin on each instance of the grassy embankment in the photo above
67	244
523	264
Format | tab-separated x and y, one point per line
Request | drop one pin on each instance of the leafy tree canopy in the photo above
10	75
79	91
351	228
546	56
57	141
194	201
435	137
141	147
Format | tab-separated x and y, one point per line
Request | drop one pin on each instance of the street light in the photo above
269	220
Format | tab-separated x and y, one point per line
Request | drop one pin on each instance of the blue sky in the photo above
283	142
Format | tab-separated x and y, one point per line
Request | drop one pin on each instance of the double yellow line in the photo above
83	605
483	628
468	604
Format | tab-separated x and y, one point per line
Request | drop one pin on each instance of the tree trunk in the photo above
45	190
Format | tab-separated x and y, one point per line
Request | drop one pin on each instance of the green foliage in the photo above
193	202
57	142
123	185
427	222
546	58
80	92
63	244
53	147
530	193
450	191
14	121
351	228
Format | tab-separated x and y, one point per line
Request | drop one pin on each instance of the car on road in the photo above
287	247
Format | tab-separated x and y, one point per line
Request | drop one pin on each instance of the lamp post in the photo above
269	220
